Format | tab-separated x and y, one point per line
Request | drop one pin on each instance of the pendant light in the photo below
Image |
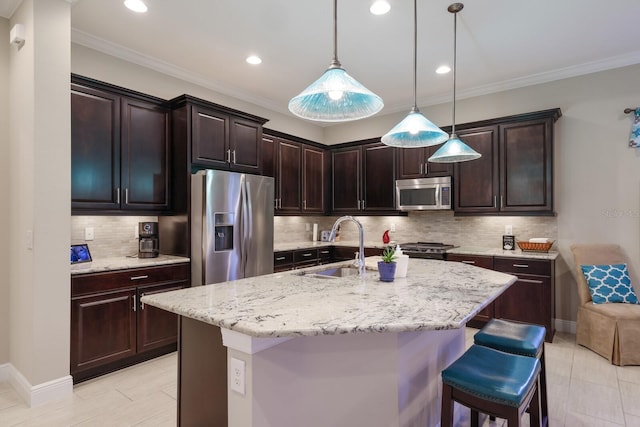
415	130
454	150
335	96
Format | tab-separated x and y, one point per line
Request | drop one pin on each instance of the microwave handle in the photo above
437	201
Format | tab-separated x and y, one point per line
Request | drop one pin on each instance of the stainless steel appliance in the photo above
423	193
148	240
430	250
231	226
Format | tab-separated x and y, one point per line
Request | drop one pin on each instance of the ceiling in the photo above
502	44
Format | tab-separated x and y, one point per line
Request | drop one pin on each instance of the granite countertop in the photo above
517	253
434	295
123	263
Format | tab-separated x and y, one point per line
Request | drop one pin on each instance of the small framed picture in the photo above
80	253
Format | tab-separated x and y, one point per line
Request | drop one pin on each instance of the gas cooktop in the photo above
434	250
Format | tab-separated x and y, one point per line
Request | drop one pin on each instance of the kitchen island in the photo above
319	351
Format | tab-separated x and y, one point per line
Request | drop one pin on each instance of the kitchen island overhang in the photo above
347	351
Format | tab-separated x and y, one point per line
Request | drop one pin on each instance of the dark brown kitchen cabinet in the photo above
531	298
222	141
111	328
300	173
413	163
514	176
364	178
488	312
119	150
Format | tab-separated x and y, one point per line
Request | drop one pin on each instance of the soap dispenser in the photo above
402	262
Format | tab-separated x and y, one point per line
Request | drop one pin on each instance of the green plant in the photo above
388	254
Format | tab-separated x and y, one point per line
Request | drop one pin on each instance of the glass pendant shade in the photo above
335	97
413	131
454	150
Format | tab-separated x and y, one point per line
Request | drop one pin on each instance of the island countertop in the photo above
434	295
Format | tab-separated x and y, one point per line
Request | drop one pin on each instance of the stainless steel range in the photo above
431	250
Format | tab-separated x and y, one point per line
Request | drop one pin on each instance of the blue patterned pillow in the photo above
609	283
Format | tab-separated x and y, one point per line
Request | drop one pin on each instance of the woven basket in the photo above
534	247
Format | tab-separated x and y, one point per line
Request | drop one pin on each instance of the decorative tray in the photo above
534	247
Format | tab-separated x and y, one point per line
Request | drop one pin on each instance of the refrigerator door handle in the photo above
245	217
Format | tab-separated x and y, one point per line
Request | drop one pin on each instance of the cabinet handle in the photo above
134	303
308	254
495	201
426	168
139	277
358	204
275	203
280	203
234	157
228	156
421	168
537	282
363	205
141	303
304	205
468	262
126	196
324	252
521	265
280	258
118	195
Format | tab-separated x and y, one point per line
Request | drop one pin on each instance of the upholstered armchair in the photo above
612	329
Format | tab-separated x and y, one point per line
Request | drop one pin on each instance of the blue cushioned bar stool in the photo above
518	338
492	382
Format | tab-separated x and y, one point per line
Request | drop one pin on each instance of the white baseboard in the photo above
566	326
40	393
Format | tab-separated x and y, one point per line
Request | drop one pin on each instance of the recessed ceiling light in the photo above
136	5
254	60
380	7
443	69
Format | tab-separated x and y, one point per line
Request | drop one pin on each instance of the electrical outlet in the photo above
236	375
88	233
136	232
307	227
392	227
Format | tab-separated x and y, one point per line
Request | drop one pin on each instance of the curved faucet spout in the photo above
332	237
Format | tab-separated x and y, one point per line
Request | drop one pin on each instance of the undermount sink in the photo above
334	272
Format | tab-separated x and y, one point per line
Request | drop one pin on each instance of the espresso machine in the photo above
148	245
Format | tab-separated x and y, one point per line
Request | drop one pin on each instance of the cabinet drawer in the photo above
477	260
109	280
325	254
305	256
523	266
282	258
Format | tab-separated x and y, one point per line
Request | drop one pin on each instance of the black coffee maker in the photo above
149	244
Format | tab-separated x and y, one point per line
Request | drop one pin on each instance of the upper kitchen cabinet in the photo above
219	137
299	169
119	150
412	163
363	178
514	176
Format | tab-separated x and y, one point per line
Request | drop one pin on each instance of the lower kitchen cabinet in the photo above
111	329
531	299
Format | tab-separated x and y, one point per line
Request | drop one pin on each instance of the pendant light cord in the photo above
415	55
334	62
455	68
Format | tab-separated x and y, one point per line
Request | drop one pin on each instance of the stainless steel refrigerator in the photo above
231	226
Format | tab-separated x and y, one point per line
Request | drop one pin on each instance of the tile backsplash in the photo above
440	226
114	236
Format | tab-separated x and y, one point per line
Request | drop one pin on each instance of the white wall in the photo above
4	192
39	138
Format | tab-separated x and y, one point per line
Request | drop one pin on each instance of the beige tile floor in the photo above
584	390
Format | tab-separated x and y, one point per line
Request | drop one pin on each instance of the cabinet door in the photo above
346	180
95	148
103	329
268	156
436	169
527	300
411	163
245	139
476	182
156	327
289	176
379	171
145	156
210	136
313	180
526	165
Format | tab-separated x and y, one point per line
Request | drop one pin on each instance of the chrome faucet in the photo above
360	261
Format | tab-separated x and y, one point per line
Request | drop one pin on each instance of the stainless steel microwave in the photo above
423	194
